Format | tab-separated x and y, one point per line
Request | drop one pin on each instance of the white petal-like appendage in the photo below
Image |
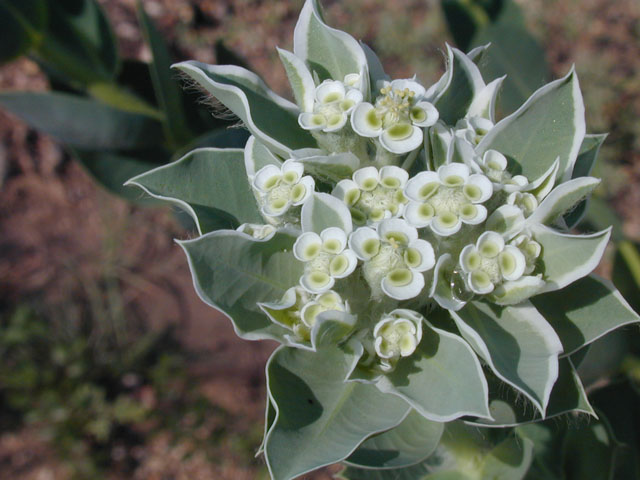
397	225
353	263
453	170
311	121
428	257
335	233
355	95
264	175
516	184
309	185
294	166
490	238
478	288
342	189
406	350
360	123
481	125
480	216
415	184
358	241
484	184
334	126
404	292
432	114
494	160
367	178
310	287
439	228
270	211
405	145
415	87
520	263
307	246
419	214
470	259
392	171
330	91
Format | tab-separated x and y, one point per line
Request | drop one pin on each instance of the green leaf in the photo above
626	272
113	169
300	80
507	410
328	52
549	125
584	311
323	211
518	344
210	184
584	164
79	42
509	460
463	82
83	123
21	23
411	442
250	271
331	168
514	52
590	452
442	379
321	419
567	258
167	90
257	155
562	198
269	117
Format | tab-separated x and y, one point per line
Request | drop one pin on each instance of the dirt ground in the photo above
62	236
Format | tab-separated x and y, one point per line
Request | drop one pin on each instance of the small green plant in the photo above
413	256
94	400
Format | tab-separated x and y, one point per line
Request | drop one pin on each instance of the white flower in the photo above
373	195
490	262
527	202
397	118
259	232
446	199
493	164
396	335
333	103
394	258
473	129
281	187
326	258
530	249
321	303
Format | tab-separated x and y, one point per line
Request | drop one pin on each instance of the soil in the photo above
63	238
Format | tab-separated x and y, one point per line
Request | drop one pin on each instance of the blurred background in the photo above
110	366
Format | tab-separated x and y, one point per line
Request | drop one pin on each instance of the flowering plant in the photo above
411	254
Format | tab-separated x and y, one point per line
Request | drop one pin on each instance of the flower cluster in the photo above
400	232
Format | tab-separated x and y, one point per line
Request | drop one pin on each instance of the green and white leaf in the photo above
549	125
331	168
584	165
567	258
376	70
323	211
249	271
562	198
300	80
485	101
256	156
411	442
320	419
442	379
329	53
269	117
585	311
209	183
507	409
517	343
464	81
